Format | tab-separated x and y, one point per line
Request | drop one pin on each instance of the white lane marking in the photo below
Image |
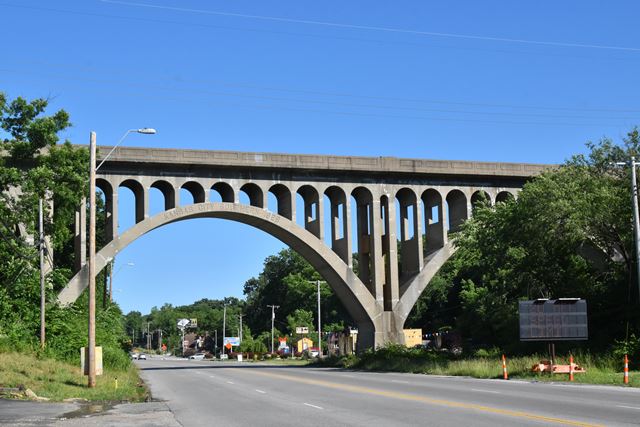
260	391
229	382
400	381
486	391
313	406
348	376
211	376
628	407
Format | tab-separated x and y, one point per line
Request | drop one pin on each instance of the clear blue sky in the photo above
490	80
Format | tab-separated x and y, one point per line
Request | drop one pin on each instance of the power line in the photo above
373	28
349	113
93	70
297	34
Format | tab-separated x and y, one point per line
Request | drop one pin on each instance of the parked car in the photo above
142	356
134	356
197	356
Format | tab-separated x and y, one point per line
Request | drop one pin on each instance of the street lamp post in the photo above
317	282
91	264
273	317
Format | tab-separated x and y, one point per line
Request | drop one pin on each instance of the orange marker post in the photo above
626	369
571	367
504	368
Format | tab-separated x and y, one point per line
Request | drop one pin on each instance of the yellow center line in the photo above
416	398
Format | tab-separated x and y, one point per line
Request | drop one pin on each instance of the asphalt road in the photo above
229	393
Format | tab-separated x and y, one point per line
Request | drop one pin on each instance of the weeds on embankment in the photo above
600	369
57	380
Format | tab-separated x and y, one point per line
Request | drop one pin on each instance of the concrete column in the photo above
434	229
390	254
364	271
142	205
410	246
80	236
444	219
312	211
347	233
339	243
375	244
171	198
418	219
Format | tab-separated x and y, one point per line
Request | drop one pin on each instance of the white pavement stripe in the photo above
485	391
260	391
400	381
313	406
628	407
229	382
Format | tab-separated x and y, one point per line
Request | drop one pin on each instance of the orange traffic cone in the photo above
571	367
504	368
626	369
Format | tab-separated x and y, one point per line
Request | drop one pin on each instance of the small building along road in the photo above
200	393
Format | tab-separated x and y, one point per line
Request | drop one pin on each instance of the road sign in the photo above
302	330
182	323
553	320
193	323
228	346
235	341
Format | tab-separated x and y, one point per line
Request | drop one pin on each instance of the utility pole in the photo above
215	344
42	293
240	332
319	324
224	326
636	219
273	317
91	267
148	336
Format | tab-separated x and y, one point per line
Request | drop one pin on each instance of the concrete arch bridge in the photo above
392	199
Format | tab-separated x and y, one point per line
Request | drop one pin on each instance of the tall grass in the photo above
58	380
600	368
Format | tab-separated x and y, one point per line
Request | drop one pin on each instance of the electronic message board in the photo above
563	319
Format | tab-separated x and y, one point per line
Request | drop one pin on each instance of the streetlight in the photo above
317	282
91	264
273	317
636	221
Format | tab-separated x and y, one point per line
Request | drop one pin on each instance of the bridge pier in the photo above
385	329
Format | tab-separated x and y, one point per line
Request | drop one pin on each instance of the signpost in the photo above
562	319
302	330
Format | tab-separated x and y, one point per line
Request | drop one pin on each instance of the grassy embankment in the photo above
59	380
602	369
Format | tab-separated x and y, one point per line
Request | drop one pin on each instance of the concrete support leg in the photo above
375	244
390	254
313	213
364	251
80	237
339	230
434	222
384	330
142	205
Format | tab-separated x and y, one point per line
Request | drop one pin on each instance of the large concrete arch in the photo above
352	293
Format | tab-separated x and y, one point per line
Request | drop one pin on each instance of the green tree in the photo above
567	235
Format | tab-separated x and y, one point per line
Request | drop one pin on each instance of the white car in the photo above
142	356
197	356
